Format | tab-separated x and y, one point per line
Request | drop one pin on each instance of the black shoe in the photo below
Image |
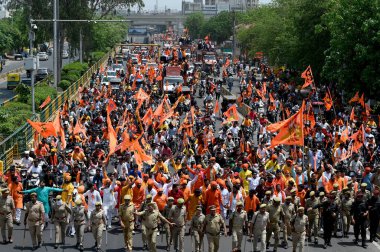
309	239
315	241
329	244
286	246
274	250
375	239
39	244
325	246
55	246
268	245
364	245
80	248
356	242
34	248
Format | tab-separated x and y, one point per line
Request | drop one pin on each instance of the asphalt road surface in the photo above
6	94
115	242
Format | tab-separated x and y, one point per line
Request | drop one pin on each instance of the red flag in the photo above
232	114
46	102
355	98
227	64
292	131
328	101
45	129
361	101
308	76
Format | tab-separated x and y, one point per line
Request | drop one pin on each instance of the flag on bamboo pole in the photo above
216	108
111	106
328	101
352	115
231	114
46	102
361	101
308	76
358	138
355	98
45	129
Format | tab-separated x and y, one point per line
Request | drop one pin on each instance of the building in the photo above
4	13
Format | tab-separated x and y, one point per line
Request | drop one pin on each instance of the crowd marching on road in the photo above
156	157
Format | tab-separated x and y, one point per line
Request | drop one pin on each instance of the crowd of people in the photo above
170	172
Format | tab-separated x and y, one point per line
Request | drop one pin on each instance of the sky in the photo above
171	4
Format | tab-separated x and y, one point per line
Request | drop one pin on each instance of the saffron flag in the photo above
292	131
216	108
361	101
111	106
344	135
358	138
147	119
45	129
79	128
308	76
355	98
328	101
111	135
46	102
232	114
352	115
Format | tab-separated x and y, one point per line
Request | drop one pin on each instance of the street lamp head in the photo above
34	26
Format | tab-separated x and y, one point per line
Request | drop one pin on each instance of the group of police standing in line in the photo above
353	208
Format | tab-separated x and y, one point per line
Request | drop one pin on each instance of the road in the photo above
6	94
115	243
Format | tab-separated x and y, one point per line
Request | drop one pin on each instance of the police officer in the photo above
60	212
127	219
196	226
374	214
289	211
258	227
211	227
329	210
275	214
148	199
150	218
359	213
312	210
299	225
34	217
238	222
177	215
97	220
168	230
346	205
80	217
7	215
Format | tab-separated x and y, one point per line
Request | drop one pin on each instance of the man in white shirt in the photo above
356	165
253	181
93	196
36	167
26	161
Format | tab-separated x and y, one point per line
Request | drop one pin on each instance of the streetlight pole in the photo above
31	39
55	50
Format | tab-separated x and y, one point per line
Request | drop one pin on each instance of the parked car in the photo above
50	51
18	57
65	55
41	74
42	56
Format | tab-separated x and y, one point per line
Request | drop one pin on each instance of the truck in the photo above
172	80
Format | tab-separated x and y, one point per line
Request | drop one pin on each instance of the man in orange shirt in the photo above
250	204
213	197
160	199
138	194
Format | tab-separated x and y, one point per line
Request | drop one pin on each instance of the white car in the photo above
42	56
65	55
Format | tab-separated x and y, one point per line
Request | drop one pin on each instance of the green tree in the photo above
194	22
353	57
220	27
9	36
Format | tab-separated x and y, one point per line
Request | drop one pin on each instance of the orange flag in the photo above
271	99
79	128
232	114
358	138
57	122
344	135
147	119
352	115
308	76
292	132
112	136
46	102
111	106
227	64
45	129
367	109
361	101
216	108
355	98
328	101
311	118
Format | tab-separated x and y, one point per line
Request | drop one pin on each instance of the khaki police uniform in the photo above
35	218
98	220
167	227
197	223
346	208
59	217
275	213
299	225
79	216
212	228
126	213
7	209
313	216
150	222
259	229
238	220
177	215
289	211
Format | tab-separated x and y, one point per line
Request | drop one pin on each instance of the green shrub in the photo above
13	115
70	77
23	92
41	92
64	84
96	56
78	67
